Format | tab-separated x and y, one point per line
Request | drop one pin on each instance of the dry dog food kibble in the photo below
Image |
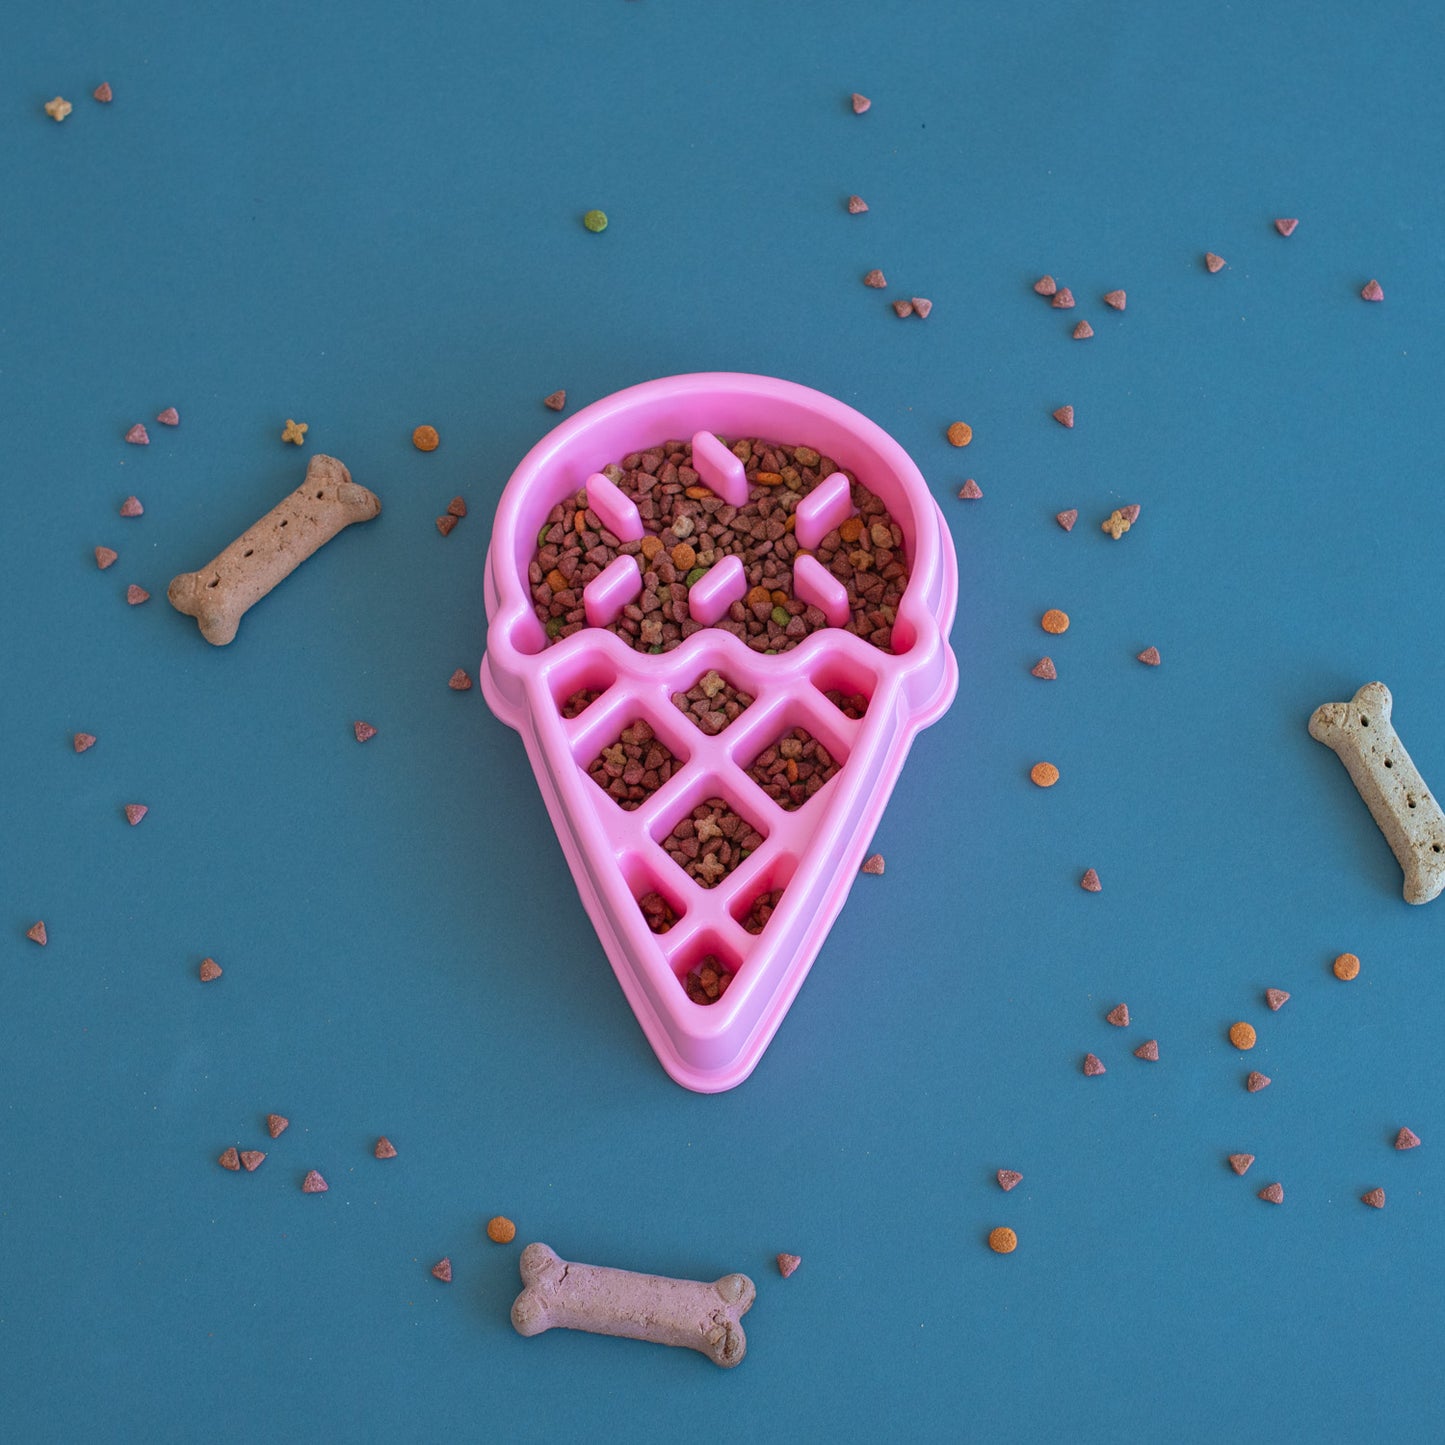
384	1149
788	1264
230	1159
959	434
710	842
580	701
363	730
1055	621
1003	1240
1272	1193
1083	331
1117	299
134	812
136	595
1007	1178
1063	299
1276	998
295	432
1044	775
1213	263
851	705
1255	1081
1090	882
634	767
442	1270
1373	291
1094	1066
425	439
1066	519
137	436
251	1160
792	769
1045	669
1375	1198
104	556
1046	286
764	906
169	417
875	279
277	1125
1118	1016
709	981
595	221
1286	225
657	911
1148	1051
688	530
1242	1035
1064	415
873	864
36	933
209	970
501	1230
58	108
460	681
1240	1162
712	702
131	507
1347	967
1407	1139
556	401
1150	657
313	1183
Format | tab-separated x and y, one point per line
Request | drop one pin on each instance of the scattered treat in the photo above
58	108
1067	519
222	592
277	1125
860	103
457	508
1255	1081
1242	1035
1065	416
1054	621
658	912
788	1264
1115	524
1375	1198
1046	286
1213	263
295	432
595	221
1276	998
1044	775
83	742
1131	513
36	933
903	309
103	93
1347	967
556	401
856	205
501	1230
425	439
1117	299
384	1149
1003	1240
1090	882
922	306
459	681
764	906
251	1160
792	769
1361	734
1063	299
363	730
1083	331
169	417
709	981
580	701
1045	669
1286	226
970	491
209	970
442	1270
137	436
131	507
710	842
959	434
1272	1193
1094	1066
1240	1163
104	557
1150	657
313	1183
230	1159
445	523
1373	291
1407	1139
873	864
1118	1016
851	705
875	279
136	595
1148	1051
634	767
557	1294
134	812
1007	1178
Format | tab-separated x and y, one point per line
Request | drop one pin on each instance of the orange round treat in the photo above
960	434
1054	621
1044	774
1347	966
1003	1240
501	1230
425	439
1242	1035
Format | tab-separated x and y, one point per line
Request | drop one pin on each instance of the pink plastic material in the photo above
813	854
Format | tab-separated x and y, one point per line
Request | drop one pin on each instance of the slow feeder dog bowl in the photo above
811	854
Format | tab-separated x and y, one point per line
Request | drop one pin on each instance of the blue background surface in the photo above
367	217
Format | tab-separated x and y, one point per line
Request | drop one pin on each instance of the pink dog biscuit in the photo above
700	1316
219	595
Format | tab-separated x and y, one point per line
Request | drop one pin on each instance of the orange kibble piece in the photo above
651	546
1242	1035
851	529
1003	1240
501	1230
1347	966
1055	621
960	434
683	557
1044	774
759	597
425	439
556	581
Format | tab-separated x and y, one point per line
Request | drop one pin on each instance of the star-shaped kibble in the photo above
295	432
58	108
710	869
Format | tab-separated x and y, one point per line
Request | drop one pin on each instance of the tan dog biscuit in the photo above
219	595
1361	733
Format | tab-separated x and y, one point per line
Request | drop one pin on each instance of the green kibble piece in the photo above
595	220
542	535
554	626
780	616
656	647
696	576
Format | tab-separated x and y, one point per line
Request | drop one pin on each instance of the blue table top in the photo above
367	219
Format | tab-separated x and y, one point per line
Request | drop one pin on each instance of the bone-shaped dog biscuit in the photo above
219	595
1361	733
700	1316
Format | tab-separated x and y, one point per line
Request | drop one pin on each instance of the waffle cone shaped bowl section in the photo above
718	609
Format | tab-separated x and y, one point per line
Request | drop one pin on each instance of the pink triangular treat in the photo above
1373	291
1046	286
1063	299
1150	657
1256	1081
104	557
134	812
36	933
788	1264
971	491
131	507
277	1125
1090	882
902	308
1007	1178
230	1159
210	970
363	730
1131	513
873	864
385	1149
1094	1065
856	205
251	1160
1045	669
1286	227
1407	1139
1276	998
1083	331
1272	1193
556	401
1213	262
314	1183
169	417
83	742
876	279
1064	416
1240	1163
137	436
136	595
1375	1198
1118	1016
1148	1050
921	307
1117	299
860	103
442	1270
1067	519
103	92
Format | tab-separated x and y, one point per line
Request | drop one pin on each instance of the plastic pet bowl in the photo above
812	854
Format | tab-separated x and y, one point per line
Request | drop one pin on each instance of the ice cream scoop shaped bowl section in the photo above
809	856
